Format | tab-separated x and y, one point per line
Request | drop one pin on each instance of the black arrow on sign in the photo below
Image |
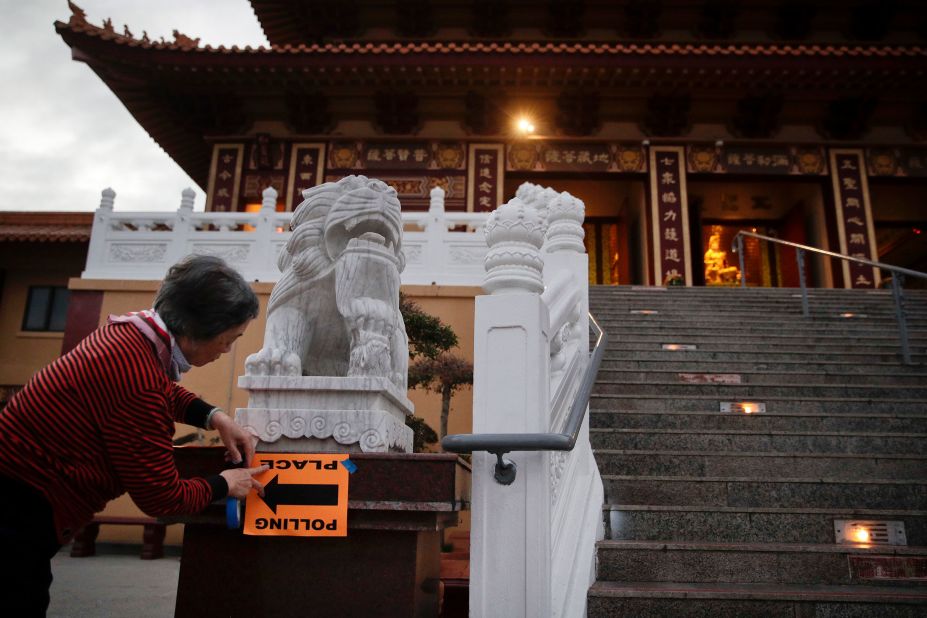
276	494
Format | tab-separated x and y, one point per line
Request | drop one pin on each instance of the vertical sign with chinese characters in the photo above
854	217
484	177
224	177
306	163
669	215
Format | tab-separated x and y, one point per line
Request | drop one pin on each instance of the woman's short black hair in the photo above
202	296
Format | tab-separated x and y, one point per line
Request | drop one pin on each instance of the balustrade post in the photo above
577	492
183	226
96	252
510	529
564	250
263	259
436	256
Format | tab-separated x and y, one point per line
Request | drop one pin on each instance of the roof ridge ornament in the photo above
78	15
185	42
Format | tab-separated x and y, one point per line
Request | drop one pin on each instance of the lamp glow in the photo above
860	535
525	126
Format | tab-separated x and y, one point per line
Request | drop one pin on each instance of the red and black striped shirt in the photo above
98	422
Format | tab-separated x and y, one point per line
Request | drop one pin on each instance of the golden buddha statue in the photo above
717	272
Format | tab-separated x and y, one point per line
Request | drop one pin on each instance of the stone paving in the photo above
114	583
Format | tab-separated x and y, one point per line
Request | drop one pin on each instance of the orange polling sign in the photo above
304	495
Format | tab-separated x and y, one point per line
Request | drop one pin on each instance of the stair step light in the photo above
644	312
869	532
679	346
743	407
850	314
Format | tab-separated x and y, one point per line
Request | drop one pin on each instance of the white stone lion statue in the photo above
335	309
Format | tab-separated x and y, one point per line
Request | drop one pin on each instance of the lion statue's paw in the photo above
273	362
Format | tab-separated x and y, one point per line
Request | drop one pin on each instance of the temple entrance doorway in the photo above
792	210
900	221
615	225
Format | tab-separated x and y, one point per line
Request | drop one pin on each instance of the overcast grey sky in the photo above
64	136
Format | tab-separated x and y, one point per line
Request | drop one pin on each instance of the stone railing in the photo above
533	541
443	248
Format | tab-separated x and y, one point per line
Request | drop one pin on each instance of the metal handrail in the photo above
501	443
737	246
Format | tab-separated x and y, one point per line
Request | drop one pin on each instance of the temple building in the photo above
678	122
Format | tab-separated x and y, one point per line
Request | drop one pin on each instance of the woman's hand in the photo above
241	481
238	441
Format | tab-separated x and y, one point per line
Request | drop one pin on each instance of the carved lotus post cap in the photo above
269	193
436	193
515	221
106	202
566	206
188	192
526	191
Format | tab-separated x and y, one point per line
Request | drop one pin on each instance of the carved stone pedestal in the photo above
388	565
307	414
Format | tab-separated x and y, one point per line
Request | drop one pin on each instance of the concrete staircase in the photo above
727	514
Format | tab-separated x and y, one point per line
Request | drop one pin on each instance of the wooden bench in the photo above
152	536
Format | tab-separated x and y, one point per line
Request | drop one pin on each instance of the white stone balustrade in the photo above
442	248
533	542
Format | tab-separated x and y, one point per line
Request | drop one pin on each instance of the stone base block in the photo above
326	414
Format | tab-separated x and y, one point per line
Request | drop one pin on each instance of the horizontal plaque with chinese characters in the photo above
404	155
765	160
575	157
905	162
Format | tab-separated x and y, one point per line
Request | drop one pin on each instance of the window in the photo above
46	308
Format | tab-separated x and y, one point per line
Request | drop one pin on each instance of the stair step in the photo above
676	361
774	404
727	392
661	600
721	421
751	377
720	463
759	491
766	341
749	441
745	524
708	352
881	334
744	563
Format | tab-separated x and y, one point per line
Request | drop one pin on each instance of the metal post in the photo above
740	255
897	280
800	256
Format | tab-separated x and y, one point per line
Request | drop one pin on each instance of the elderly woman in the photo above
99	422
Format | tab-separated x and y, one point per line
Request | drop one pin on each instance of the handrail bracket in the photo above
505	469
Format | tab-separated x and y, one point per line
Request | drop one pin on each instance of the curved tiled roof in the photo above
45	226
449	48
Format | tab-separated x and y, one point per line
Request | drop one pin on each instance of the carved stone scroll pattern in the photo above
137	253
383	437
229	253
467	255
413	254
558	462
